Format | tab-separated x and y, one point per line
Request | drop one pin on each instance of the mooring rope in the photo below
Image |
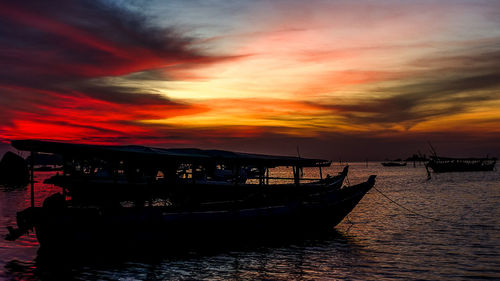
429	217
351	224
403	207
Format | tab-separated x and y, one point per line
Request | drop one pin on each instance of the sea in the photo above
408	227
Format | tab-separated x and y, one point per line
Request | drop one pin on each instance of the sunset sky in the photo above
340	79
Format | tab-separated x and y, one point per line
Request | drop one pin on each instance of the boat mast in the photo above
433	150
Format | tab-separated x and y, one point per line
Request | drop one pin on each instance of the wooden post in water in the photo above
320	173
32	178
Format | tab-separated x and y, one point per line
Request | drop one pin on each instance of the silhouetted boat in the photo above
47	168
448	164
137	195
393	164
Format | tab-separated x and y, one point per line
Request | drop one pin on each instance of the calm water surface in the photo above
449	231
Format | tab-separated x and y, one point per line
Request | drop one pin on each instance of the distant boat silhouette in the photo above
447	164
441	164
393	164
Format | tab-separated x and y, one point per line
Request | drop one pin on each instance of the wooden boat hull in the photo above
69	228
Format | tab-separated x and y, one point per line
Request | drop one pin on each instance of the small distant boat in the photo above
447	164
47	168
393	164
441	164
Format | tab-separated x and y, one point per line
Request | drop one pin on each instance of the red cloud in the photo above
52	54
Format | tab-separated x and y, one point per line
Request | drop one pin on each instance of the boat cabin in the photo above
104	172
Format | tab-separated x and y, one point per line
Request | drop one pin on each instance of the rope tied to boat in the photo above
403	207
428	217
351	223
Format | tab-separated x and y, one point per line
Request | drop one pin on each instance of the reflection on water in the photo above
379	241
273	260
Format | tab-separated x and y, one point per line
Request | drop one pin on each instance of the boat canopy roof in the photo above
144	153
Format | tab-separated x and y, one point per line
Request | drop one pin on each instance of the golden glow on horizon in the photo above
482	119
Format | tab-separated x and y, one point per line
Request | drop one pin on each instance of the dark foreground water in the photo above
450	230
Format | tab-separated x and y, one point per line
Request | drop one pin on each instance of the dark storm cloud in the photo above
91	30
47	44
122	94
